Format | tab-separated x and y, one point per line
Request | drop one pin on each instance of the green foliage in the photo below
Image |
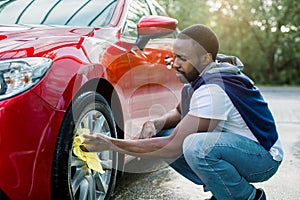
187	12
264	34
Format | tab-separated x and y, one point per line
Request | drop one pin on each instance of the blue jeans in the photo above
224	163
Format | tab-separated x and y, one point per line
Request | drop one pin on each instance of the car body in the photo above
72	65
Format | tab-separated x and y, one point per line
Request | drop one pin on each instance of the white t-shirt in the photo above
211	101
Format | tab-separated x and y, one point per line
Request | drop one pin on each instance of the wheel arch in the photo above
106	89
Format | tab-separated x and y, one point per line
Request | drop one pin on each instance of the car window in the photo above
156	8
10	10
137	9
63	12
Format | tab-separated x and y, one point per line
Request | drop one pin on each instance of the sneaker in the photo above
260	194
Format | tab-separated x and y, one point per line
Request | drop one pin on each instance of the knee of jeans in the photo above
198	144
191	146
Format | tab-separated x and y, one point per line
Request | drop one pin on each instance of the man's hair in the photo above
202	35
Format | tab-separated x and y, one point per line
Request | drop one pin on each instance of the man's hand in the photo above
95	143
148	130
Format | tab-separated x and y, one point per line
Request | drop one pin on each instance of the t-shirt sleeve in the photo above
210	101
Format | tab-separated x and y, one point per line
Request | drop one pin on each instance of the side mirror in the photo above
150	27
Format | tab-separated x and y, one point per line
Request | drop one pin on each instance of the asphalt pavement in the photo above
162	182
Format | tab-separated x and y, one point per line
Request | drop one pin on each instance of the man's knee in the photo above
199	145
192	146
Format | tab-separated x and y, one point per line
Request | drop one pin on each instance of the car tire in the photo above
71	177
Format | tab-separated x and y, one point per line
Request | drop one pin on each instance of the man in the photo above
224	136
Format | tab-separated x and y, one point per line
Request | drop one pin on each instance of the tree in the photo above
263	33
187	11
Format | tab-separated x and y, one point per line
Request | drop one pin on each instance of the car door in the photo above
151	86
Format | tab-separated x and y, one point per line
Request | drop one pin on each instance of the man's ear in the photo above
206	59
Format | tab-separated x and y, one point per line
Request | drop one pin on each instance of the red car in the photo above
71	65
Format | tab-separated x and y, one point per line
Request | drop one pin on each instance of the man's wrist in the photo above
113	144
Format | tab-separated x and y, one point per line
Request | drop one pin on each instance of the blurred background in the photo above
264	34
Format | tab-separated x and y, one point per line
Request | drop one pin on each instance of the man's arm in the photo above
161	147
168	120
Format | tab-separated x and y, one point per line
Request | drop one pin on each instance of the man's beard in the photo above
187	77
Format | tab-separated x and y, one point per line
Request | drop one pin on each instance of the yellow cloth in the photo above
91	158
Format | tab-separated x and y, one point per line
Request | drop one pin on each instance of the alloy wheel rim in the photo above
85	182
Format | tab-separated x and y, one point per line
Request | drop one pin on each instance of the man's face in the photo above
187	61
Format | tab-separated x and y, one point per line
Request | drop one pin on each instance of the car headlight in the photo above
18	75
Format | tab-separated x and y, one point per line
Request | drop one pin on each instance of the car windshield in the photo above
94	13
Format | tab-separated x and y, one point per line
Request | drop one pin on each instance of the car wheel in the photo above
71	177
